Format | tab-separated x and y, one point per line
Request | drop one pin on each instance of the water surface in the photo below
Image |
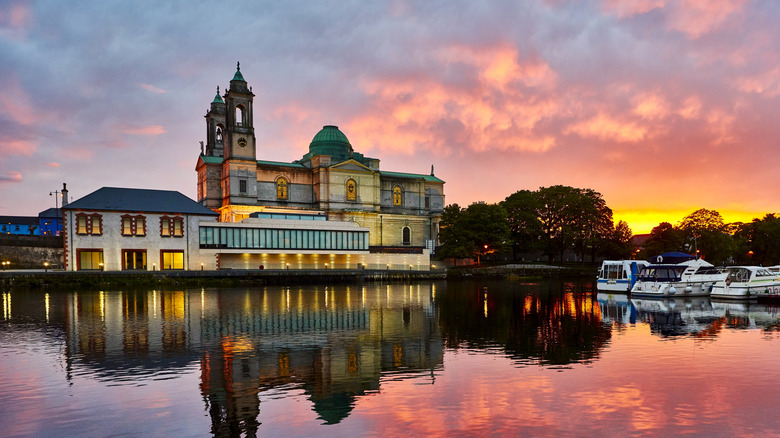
546	358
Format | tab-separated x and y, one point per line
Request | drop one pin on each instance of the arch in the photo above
398	196
406	234
282	188
240	113
351	187
218	135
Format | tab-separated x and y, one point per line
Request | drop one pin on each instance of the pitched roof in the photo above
147	200
429	178
19	220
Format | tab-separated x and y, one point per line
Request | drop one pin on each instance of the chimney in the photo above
64	195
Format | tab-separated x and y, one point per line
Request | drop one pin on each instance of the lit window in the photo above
134	259
171	226
89	224
172	259
89	259
133	225
397	196
281	189
351	190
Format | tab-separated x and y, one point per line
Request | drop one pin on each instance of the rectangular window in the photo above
171	226
89	224
165	227
242	186
134	259
82	225
172	260
178	227
127	225
133	225
140	226
89	259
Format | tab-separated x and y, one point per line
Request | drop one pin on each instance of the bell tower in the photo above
239	166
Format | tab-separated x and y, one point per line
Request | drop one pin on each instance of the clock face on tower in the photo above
242	142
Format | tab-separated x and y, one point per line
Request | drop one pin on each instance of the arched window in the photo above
219	134
239	115
407	236
281	189
351	190
397	196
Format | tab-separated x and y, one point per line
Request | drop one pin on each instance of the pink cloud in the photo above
698	17
153	89
11	176
629	8
15	104
16	15
145	130
608	128
53	164
17	147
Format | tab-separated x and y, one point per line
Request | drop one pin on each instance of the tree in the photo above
663	238
526	229
758	242
705	233
453	241
619	245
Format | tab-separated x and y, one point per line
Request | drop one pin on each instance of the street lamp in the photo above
45	266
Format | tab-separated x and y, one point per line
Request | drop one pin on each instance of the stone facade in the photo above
400	209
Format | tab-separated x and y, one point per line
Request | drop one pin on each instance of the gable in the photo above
351	166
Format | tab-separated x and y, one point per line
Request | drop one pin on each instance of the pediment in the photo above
351	166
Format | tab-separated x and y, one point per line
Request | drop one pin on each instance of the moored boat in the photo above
682	275
618	275
743	282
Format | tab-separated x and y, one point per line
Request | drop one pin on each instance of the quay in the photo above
223	277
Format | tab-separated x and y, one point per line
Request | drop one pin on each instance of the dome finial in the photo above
238	66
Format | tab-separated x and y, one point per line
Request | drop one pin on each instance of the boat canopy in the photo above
662	273
671	257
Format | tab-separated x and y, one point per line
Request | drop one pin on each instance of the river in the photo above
445	358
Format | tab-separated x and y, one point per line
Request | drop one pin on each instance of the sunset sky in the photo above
662	106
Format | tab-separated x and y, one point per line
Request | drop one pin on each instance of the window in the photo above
89	259
351	190
242	186
89	224
172	260
133	225
397	196
239	115
171	226
281	189
407	236
219	134
134	259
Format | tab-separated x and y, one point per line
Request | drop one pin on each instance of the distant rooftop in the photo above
147	200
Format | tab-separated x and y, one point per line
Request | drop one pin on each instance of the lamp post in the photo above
45	266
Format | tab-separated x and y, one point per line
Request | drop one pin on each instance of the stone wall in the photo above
27	252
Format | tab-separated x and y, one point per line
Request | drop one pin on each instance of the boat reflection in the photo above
697	316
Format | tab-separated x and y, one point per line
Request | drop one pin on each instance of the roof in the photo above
429	178
208	159
50	212
279	163
217	98
332	142
238	76
146	200
19	220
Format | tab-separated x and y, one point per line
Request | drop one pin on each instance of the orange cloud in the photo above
145	130
607	128
765	83
690	108
53	164
651	106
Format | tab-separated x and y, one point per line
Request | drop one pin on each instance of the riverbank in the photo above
230	277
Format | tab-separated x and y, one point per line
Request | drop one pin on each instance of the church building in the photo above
399	209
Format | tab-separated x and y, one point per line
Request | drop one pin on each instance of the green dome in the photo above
330	141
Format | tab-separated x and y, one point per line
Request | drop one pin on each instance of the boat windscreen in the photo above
661	273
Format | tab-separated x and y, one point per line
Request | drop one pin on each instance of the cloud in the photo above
15	177
144	130
153	89
608	128
53	164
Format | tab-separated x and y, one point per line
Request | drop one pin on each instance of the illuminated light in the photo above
46	304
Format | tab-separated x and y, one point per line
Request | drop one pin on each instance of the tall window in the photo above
172	259
351	190
239	115
407	236
242	186
133	225
134	259
281	189
219	134
397	196
89	224
89	259
171	226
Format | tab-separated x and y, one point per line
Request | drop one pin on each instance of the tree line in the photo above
556	219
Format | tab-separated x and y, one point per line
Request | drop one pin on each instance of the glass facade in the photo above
269	238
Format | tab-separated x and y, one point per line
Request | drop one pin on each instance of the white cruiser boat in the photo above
744	282
686	276
618	275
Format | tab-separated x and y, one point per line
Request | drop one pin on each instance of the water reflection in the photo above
546	322
697	316
334	343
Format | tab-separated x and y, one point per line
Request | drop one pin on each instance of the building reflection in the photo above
332	343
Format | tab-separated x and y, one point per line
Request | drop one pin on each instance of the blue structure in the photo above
21	225
50	222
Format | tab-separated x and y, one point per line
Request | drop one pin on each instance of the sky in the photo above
664	107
